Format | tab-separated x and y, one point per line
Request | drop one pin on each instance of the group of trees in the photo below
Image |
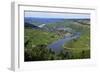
41	53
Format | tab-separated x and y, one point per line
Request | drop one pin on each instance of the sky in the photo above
56	15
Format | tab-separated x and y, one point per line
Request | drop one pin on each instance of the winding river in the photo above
57	45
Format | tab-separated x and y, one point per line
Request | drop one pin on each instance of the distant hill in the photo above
29	25
50	24
39	21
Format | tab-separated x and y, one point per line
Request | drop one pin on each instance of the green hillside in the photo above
37	37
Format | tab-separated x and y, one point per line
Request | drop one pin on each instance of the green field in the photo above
79	48
38	37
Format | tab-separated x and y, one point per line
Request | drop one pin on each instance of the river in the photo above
57	46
